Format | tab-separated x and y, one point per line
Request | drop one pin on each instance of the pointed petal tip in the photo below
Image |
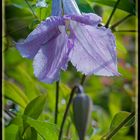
23	51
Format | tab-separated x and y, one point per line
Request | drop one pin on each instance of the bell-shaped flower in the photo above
72	37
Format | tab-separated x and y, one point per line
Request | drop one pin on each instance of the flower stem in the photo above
83	79
68	106
31	8
115	130
113	11
56	102
66	112
120	21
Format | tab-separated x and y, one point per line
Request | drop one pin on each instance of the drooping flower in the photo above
74	37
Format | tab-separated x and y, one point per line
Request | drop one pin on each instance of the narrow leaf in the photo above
64	89
14	93
121	47
35	107
84	6
120	120
119	117
30	134
47	130
10	132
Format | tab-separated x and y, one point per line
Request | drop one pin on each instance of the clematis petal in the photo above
56	7
51	58
89	19
47	30
71	7
94	50
70	45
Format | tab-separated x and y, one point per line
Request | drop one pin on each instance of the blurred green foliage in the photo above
29	104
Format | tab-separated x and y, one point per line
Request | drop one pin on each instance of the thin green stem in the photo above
115	130
120	21
31	8
83	79
66	112
111	15
56	102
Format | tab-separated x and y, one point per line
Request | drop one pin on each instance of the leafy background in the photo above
29	104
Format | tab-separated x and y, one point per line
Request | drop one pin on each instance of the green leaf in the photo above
114	103
47	130
30	134
14	93
18	120
121	47
11	53
64	89
10	132
120	137
119	117
19	3
35	107
19	134
22	74
24	130
84	6
34	24
125	5
121	120
125	73
19	22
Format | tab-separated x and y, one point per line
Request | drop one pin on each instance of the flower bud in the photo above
41	3
82	112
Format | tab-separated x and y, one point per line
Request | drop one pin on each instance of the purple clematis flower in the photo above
74	37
